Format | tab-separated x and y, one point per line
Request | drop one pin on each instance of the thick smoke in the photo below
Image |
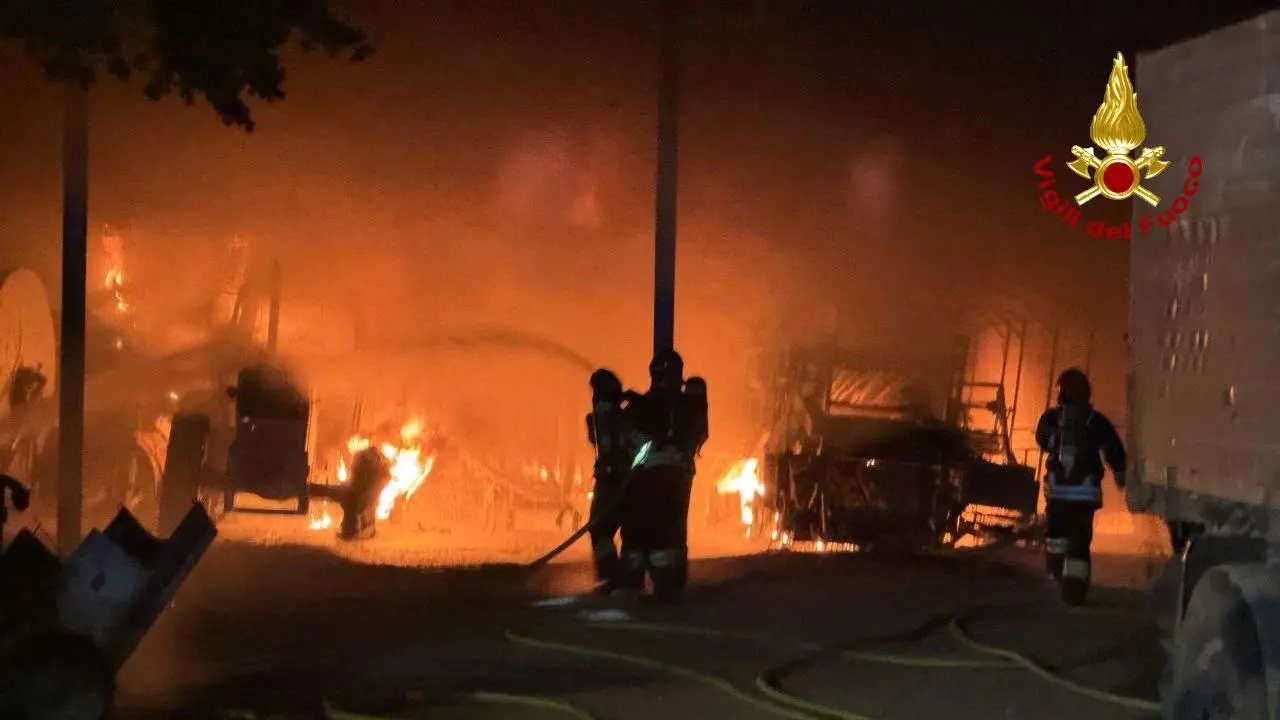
490	168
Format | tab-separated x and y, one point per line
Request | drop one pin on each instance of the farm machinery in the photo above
878	452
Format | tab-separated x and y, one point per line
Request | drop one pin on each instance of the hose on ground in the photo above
708	679
772	697
609	510
332	712
785	704
958	631
490	698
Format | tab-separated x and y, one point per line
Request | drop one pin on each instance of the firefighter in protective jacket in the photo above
1076	439
609	431
671	427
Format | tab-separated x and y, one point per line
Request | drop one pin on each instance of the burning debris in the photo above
786	542
113	246
377	478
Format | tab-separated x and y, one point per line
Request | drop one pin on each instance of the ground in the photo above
285	627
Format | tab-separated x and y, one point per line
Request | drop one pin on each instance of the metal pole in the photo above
1048	393
664	258
1053	362
1004	352
75	229
1017	378
273	311
1002	414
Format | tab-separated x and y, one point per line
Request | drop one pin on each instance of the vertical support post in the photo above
1002	413
1017	379
1004	352
1048	393
71	374
273	312
1053	363
664	259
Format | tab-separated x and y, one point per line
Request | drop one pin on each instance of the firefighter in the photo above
608	432
671	427
1076	439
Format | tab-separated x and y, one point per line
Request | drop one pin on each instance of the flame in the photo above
408	471
324	520
1118	126
409	468
113	245
744	479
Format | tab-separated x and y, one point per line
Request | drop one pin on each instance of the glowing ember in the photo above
784	541
323	521
744	479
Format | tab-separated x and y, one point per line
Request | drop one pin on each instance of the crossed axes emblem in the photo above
1125	181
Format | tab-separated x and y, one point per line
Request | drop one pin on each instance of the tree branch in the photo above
221	50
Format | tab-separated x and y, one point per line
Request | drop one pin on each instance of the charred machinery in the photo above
876	451
260	448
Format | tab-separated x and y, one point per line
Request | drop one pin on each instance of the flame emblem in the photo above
1118	128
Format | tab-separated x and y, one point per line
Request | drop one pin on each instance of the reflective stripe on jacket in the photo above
1088	491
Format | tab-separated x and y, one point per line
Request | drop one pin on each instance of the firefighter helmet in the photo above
605	384
666	363
1073	387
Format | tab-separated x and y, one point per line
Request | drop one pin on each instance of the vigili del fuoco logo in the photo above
1117	129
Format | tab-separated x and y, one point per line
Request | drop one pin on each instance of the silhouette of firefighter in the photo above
1076	438
670	429
609	430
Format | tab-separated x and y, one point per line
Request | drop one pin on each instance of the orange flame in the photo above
409	469
113	244
744	479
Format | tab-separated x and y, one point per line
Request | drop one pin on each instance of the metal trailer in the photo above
1204	383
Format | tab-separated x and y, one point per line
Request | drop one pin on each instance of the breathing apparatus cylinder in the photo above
697	429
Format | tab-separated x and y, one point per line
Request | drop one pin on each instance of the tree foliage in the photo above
222	50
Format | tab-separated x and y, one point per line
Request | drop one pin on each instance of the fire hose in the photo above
607	511
783	704
610	509
770	696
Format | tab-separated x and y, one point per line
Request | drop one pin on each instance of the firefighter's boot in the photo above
608	567
669	571
1055	549
1075	581
631	569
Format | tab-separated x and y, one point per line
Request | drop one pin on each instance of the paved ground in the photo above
285	627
